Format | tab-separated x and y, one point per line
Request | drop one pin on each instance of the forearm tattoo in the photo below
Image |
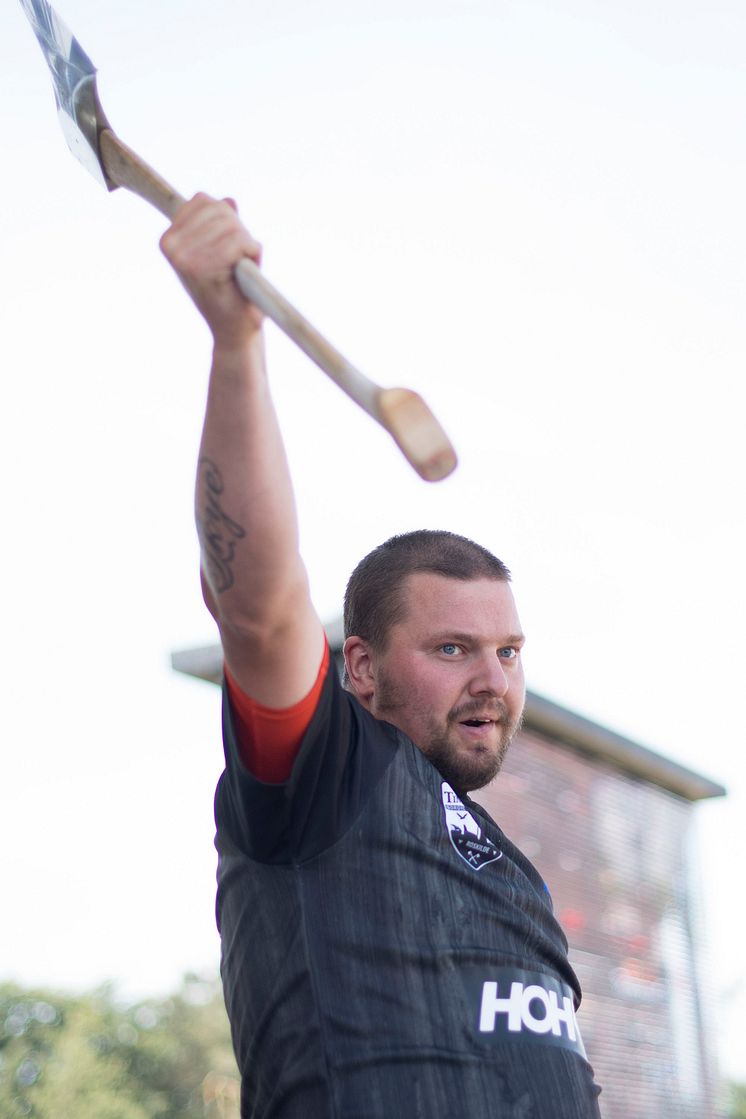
218	533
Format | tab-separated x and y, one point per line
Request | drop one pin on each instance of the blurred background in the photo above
530	212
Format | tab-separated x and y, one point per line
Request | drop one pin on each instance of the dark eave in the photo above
561	724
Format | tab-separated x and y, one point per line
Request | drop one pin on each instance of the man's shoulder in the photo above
344	753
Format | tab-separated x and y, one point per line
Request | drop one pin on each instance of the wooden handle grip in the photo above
124	168
257	289
401	412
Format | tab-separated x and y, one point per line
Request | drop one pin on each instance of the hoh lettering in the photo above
519	1010
522	1007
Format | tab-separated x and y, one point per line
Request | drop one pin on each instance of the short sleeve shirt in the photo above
386	950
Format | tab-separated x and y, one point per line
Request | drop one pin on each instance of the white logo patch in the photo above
467	837
518	1008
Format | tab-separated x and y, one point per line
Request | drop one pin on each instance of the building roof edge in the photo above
551	719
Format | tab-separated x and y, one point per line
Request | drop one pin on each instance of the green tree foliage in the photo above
737	1102
90	1057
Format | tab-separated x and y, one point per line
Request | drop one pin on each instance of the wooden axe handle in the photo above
403	413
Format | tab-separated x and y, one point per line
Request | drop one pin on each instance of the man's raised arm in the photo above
253	577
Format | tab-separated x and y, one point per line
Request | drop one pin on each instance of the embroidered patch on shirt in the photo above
468	838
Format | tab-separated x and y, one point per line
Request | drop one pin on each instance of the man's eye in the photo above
509	653
450	649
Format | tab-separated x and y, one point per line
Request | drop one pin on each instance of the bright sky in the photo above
530	212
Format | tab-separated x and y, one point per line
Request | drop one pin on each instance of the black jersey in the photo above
386	950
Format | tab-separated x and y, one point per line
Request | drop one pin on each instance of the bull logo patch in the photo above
468	838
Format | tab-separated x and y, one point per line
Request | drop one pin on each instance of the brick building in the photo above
608	824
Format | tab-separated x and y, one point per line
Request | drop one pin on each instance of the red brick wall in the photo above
613	851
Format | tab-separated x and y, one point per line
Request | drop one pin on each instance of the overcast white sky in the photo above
530	212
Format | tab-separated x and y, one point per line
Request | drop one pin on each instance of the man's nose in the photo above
489	677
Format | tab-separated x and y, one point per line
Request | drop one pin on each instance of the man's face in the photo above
451	676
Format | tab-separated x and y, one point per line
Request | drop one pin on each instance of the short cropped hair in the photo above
374	601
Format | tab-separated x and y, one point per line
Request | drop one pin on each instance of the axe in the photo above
89	136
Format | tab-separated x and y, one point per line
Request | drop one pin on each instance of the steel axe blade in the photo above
403	413
74	78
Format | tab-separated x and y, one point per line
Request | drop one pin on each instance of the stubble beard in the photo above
468	768
465	768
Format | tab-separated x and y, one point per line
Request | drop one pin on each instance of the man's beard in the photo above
466	768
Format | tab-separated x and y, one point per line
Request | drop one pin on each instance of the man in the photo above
386	951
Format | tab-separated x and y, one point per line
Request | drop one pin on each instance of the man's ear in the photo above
359	666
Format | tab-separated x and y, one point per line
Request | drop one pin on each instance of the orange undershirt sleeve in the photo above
269	738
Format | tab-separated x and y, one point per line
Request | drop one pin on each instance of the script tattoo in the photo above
218	534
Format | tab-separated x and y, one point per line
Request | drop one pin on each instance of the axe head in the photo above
74	78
